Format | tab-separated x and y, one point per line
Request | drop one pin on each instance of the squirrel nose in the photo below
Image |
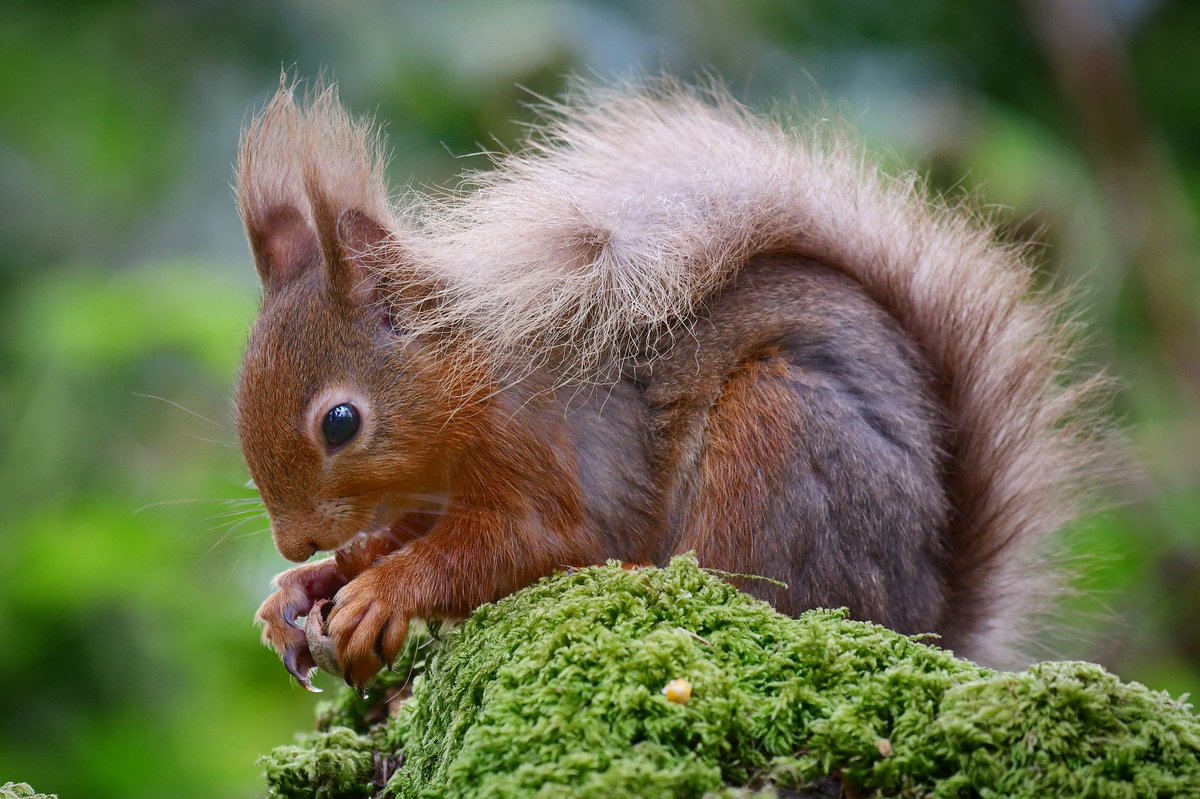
296	550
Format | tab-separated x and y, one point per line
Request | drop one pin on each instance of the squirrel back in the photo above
595	251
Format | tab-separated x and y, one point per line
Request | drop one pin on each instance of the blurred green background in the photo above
129	569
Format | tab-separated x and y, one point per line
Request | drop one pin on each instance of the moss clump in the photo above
21	790
557	691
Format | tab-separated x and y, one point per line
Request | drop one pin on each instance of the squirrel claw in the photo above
301	666
307	685
359	690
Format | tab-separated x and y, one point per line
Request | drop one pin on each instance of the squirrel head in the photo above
340	416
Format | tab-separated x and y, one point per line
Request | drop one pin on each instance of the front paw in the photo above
298	590
366	627
287	640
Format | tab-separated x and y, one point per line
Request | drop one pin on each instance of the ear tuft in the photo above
342	172
301	167
270	191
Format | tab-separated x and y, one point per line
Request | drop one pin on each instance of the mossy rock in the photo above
556	691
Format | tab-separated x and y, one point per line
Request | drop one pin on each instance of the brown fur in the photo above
666	326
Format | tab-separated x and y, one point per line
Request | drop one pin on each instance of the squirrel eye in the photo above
341	423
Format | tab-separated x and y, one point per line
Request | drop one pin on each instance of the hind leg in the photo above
792	480
737	474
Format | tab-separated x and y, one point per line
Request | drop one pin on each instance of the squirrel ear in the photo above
353	273
283	245
372	268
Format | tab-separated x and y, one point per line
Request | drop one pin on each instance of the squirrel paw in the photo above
366	626
298	590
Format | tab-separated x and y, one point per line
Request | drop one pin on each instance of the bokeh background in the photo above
130	559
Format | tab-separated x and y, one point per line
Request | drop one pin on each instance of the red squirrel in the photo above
665	325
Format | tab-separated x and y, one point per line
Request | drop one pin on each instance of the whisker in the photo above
223	500
246	547
177	405
216	441
230	516
226	536
238	559
252	533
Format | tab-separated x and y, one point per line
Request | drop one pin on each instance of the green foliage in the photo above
557	691
129	646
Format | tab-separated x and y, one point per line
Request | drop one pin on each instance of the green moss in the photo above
332	764
557	691
21	790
